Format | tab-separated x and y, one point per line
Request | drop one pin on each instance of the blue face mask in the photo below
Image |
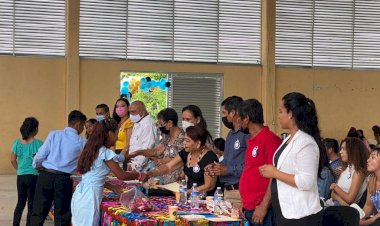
100	118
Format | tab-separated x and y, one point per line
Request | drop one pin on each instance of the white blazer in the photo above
300	158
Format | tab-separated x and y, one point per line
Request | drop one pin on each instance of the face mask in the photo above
121	112
226	123
100	118
164	130
135	118
186	124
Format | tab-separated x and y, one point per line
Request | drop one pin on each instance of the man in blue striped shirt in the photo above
57	159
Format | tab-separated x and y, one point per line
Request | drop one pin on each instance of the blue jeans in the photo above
269	219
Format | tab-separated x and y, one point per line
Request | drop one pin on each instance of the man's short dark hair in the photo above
231	103
331	143
76	116
104	107
253	109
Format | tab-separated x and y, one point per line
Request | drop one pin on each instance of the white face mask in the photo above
186	124
100	118
135	118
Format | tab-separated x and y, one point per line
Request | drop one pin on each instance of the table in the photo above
113	213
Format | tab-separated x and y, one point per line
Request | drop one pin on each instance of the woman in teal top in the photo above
23	151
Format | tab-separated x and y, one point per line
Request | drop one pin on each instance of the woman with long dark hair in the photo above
297	164
351	183
95	163
125	125
192	116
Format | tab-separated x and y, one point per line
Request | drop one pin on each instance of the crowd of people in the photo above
273	181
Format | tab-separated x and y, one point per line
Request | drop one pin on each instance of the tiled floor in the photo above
8	200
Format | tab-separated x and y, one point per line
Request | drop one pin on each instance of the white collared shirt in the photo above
144	136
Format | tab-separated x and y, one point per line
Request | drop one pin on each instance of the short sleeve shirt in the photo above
198	176
260	151
25	154
122	135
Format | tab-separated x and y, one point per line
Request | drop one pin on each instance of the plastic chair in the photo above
340	216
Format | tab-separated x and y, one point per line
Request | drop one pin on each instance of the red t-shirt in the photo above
260	151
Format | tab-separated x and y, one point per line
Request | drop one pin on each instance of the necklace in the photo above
196	168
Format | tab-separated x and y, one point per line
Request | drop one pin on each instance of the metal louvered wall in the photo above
203	90
328	33
6	26
226	31
102	30
32	27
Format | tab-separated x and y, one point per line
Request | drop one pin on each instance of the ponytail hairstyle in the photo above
99	137
125	100
29	128
305	116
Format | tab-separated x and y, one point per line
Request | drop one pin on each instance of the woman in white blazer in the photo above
295	197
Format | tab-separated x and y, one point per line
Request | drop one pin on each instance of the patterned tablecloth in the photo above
116	214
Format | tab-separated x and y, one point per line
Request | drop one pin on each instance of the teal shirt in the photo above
25	154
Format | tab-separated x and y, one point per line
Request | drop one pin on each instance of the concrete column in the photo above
72	79
268	80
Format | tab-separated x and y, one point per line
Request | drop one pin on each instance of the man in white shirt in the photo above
144	134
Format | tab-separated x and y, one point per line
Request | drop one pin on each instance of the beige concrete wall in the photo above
344	98
32	86
100	79
29	87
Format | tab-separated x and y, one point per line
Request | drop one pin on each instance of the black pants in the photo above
52	187
26	185
311	220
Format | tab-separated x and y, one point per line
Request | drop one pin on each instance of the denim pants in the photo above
269	219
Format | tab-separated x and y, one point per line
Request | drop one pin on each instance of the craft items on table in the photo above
116	214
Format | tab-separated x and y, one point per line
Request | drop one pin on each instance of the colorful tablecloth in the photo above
115	214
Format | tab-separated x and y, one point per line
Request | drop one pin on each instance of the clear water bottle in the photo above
218	200
183	192
194	197
219	194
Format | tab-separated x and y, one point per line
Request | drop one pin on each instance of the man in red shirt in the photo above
254	190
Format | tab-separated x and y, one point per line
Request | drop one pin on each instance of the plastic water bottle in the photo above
219	194
218	200
194	197
183	192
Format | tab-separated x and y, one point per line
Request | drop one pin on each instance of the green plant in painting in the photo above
154	101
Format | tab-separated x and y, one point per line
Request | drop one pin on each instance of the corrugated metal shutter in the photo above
32	27
239	31
6	27
294	32
172	30
150	29
103	26
203	90
333	33
367	34
195	30
39	27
